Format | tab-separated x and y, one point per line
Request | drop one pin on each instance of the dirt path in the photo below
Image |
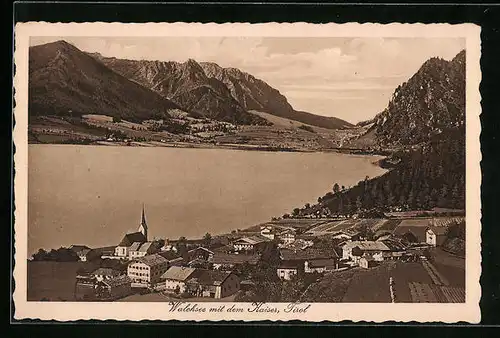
436	277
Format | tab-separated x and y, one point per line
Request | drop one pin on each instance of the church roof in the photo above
130	238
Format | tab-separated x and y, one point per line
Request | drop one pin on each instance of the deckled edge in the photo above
18	138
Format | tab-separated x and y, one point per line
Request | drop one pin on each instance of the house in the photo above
355	249
78	248
85	287
320	265
228	261
138	249
122	249
347	234
254	244
287	236
104	274
140	236
114	288
412	234
435	236
299	244
268	232
84	253
200	253
213	284
367	262
176	277
287	269
147	270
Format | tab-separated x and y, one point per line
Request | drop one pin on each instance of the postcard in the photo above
247	172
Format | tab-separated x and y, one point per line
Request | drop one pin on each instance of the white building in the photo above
140	236
355	249
320	265
176	277
249	244
147	270
268	232
138	249
435	236
105	274
286	270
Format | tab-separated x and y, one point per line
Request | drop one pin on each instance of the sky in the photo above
349	78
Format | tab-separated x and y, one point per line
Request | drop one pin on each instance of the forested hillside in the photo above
432	176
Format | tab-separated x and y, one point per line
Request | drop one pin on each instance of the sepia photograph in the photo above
255	169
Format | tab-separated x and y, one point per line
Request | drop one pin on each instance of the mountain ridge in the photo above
66	81
431	101
246	91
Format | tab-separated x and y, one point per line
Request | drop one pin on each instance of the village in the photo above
297	253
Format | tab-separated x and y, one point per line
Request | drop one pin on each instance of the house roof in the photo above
83	252
178	273
106	272
145	247
367	245
308	253
417	231
251	240
117	281
285	264
210	277
130	238
201	248
393	244
135	246
224	258
152	260
438	231
169	255
319	263
77	248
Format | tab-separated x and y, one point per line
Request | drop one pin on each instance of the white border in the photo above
67	311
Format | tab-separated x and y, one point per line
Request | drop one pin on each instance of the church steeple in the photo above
143	227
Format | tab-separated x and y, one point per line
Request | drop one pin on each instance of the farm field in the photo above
428	293
450	266
404	274
390	225
416	222
298	223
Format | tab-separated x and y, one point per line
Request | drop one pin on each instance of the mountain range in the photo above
65	80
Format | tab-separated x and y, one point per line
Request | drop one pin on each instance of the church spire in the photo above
143	227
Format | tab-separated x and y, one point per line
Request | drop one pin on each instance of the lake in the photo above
93	195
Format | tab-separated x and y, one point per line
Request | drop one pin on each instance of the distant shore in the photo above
228	146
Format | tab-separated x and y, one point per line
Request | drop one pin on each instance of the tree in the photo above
359	203
117	119
307	206
296	211
207	239
336	188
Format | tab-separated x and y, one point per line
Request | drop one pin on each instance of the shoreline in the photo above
225	146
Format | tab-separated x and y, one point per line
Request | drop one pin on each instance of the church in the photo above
136	243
